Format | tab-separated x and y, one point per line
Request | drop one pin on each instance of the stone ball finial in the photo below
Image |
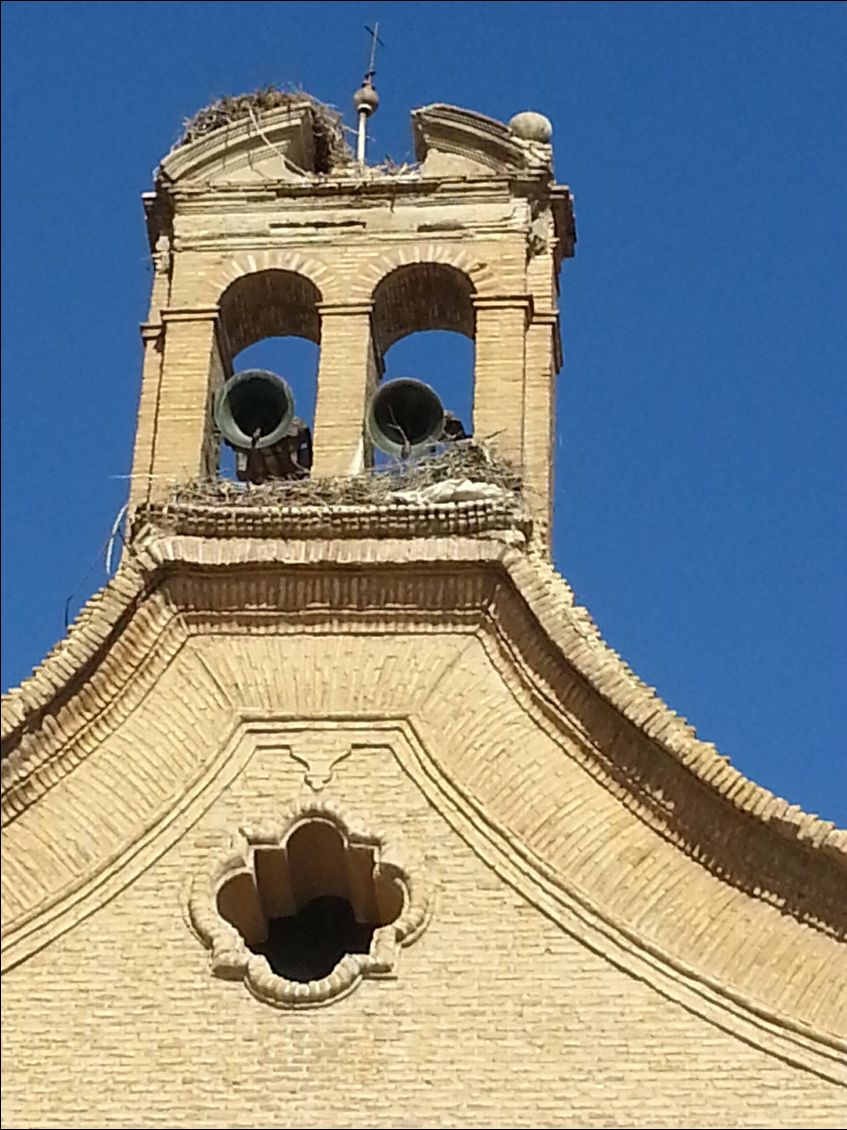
366	99
531	126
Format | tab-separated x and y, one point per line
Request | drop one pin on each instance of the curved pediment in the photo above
622	816
450	141
252	140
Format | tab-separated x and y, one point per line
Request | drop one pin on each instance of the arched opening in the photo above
424	328
442	360
310	901
270	324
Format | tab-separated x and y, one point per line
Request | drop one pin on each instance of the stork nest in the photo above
462	460
331	149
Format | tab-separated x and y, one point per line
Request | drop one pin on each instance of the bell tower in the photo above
272	228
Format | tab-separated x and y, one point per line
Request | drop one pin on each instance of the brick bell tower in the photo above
281	233
334	808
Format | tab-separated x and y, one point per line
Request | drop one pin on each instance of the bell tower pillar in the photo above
347	378
501	326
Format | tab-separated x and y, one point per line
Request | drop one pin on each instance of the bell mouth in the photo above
254	409
405	417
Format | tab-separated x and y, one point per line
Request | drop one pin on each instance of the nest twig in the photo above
464	459
331	148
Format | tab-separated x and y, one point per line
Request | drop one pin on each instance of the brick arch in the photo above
480	275
422	296
254	262
269	303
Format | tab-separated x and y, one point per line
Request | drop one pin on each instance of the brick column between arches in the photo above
501	325
191	371
347	376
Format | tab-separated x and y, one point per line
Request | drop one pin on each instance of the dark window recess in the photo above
310	944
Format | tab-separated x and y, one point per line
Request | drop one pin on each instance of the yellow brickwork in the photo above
498	1015
346	237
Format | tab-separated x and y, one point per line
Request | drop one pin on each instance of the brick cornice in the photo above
189	314
504	516
568	634
547	596
348	188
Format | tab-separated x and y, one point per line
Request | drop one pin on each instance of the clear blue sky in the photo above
700	502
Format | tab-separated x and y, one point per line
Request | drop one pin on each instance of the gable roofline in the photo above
567	627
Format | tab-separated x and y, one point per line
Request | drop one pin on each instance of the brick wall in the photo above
497	1017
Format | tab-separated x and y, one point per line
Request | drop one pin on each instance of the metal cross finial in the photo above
374	34
366	99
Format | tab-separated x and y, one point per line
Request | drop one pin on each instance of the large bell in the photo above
255	414
254	409
406	417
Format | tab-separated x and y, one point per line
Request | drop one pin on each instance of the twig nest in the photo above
531	126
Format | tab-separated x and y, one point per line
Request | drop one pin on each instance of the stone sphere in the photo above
531	126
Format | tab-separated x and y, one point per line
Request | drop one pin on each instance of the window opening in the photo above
259	404
310	902
405	415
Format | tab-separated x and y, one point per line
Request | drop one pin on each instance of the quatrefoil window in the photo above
303	910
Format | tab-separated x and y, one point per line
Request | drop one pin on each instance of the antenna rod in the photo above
366	99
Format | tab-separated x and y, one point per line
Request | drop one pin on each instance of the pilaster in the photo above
346	376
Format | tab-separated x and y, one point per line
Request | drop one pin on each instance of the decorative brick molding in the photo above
231	956
568	632
796	1035
251	263
504	517
447	254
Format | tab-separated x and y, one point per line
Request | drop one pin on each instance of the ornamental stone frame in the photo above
230	951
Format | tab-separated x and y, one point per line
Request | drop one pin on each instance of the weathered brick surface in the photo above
344	237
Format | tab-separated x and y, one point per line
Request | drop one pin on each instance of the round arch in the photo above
481	277
255	262
422	296
269	303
